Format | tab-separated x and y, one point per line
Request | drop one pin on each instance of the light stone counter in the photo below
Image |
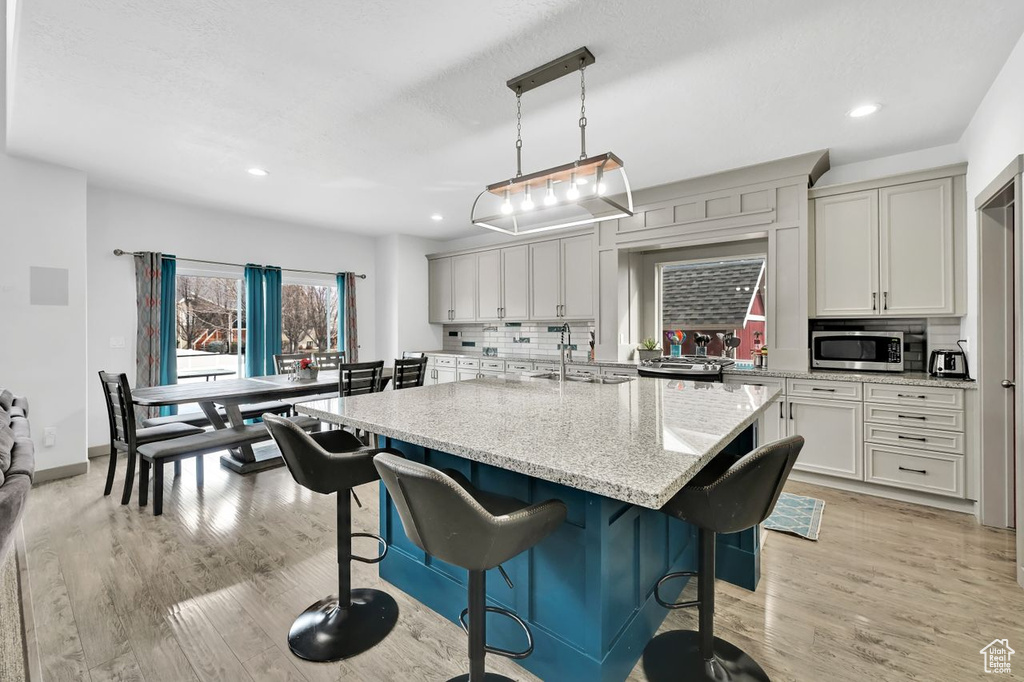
638	442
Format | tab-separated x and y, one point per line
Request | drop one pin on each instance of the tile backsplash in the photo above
515	338
921	335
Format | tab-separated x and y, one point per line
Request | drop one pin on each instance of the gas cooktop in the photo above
707	368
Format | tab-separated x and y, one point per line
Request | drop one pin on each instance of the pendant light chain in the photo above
583	110
519	132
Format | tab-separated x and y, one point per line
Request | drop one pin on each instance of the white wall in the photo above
43	351
993	139
136	223
402	296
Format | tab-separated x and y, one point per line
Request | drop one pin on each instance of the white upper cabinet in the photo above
439	275
887	251
488	277
846	254
515	283
545	280
577	261
464	288
916	274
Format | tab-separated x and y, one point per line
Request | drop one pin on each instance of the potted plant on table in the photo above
306	369
649	350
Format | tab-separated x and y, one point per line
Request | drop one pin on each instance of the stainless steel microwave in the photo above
860	351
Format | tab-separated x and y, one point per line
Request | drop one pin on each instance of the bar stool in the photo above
446	517
725	497
356	620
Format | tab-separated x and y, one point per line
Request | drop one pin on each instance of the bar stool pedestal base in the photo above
488	677
325	632
674	656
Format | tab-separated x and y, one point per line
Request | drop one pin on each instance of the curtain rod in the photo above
122	252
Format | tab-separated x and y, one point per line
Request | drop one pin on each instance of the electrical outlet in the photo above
117	342
50	436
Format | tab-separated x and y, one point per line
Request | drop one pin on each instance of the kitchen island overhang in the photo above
614	454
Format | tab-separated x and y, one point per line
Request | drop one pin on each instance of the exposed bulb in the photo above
527	200
573	193
549	197
506	206
600	189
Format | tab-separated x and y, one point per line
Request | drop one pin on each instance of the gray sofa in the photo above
17	465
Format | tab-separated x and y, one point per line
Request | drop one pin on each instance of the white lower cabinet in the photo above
834	435
772	425
929	472
444	375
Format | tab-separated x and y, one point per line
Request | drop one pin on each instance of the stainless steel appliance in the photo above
690	367
866	351
948	364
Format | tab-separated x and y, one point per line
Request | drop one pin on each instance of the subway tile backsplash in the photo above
514	338
921	335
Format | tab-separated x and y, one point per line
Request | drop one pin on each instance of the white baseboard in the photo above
54	473
898	494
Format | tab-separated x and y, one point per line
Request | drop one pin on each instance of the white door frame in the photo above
996	463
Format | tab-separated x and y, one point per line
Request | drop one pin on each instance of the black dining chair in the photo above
329	359
358	378
409	372
125	437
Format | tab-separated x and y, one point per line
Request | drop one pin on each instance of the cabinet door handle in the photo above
791	410
874	300
907	395
910	416
826	390
914	471
781	414
885	299
919	439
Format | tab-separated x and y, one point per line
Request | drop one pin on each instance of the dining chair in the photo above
125	437
412	354
357	378
409	372
284	362
329	359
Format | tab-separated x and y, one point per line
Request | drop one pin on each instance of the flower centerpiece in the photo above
306	369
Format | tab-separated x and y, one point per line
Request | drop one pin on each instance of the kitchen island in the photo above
614	453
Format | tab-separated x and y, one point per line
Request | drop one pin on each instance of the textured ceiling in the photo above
371	116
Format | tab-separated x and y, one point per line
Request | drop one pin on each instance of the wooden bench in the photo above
157	454
199	419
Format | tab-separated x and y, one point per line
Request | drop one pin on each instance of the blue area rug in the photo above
797	515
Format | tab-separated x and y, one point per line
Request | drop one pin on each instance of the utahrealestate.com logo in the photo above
997	656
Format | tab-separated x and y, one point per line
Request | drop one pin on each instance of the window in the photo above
211	327
309	318
720	298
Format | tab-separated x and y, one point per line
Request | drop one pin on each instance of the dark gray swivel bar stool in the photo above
446	517
356	620
727	496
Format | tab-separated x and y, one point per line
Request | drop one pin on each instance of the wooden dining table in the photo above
231	394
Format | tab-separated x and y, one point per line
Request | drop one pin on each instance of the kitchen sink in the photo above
579	377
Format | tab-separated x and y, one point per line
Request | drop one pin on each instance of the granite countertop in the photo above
578	359
902	378
638	442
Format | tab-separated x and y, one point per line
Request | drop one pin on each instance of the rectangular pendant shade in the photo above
562	197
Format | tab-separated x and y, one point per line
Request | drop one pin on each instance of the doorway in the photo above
1000	368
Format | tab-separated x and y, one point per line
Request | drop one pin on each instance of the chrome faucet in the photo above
563	344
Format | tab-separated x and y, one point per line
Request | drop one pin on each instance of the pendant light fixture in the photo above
585	191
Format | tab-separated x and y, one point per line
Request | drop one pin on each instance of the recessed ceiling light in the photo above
437	216
259	172
864	110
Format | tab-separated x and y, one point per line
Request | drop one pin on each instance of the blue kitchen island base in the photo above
587	591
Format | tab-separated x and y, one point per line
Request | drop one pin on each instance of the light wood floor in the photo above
208	591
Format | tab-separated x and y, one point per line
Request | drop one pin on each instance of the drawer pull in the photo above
917	438
910	416
826	390
914	471
907	395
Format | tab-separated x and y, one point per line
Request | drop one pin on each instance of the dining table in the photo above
232	394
